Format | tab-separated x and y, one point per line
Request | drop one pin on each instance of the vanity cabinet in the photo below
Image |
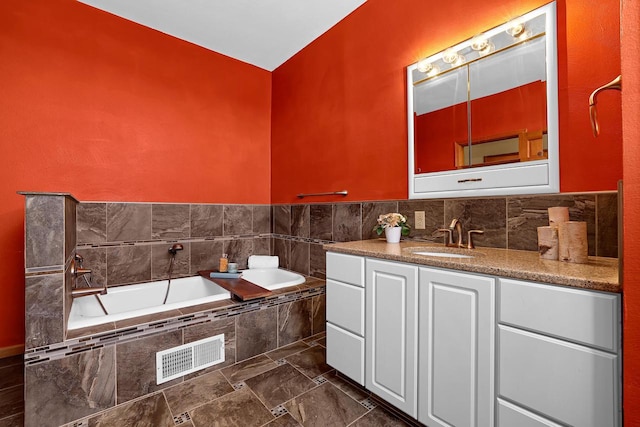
345	315
455	386
391	334
558	356
453	348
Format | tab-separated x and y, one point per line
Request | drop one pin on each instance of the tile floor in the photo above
290	386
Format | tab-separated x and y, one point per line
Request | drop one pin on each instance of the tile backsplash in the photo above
127	242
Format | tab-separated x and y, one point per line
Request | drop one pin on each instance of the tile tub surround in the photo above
300	231
114	364
290	386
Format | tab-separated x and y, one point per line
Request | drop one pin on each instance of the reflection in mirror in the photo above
484	101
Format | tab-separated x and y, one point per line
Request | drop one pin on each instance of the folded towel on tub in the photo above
263	261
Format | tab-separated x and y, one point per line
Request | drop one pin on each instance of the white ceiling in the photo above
264	33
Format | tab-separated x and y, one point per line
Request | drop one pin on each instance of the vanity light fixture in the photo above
479	43
516	29
424	66
450	56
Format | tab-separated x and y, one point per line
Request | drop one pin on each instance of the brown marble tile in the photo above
355	391
213	328
262	246
128	222
11	376
152	411
488	215
314	337
433	217
526	214
325	406
317	261
44	308
262	219
206	220
128	264
95	259
347	222
70	220
149	318
370	213
237	220
379	417
239	251
161	260
294	321
285	420
136	373
318	313
282	248
205	255
256	333
288	350
240	408
16	420
300	257
248	368
607	225
190	394
321	222
11	401
91	330
63	390
170	221
300	220
44	231
91	222
278	385
311	362
282	219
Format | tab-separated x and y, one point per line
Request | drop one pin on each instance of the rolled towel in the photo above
263	261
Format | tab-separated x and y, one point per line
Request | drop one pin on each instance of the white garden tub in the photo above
125	302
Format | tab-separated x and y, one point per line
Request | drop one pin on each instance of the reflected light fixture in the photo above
434	71
479	43
490	47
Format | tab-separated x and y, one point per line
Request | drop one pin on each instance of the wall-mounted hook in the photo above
593	113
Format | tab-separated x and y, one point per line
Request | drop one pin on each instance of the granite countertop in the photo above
598	274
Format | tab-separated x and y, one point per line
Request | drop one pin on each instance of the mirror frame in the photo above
532	177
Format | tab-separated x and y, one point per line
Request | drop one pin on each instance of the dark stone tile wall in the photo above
44	231
126	243
508	222
44	310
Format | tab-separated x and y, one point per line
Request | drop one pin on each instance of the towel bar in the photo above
330	193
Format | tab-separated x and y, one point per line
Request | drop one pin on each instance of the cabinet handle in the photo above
469	180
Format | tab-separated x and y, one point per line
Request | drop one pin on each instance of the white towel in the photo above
263	261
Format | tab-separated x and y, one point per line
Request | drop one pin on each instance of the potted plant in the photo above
393	225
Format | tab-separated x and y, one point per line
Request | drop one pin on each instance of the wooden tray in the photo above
240	288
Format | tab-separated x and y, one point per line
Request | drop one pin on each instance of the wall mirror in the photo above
483	115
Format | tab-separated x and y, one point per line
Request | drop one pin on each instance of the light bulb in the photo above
424	66
479	43
450	56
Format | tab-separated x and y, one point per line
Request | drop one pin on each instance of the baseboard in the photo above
12	350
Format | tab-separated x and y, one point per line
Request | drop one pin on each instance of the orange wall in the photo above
631	133
109	110
339	106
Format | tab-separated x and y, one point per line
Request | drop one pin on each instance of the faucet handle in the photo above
470	244
449	233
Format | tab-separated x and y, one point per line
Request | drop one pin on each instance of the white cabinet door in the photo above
391	333
456	351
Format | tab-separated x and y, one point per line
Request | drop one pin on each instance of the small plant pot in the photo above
393	234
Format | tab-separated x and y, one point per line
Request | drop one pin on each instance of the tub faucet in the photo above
77	271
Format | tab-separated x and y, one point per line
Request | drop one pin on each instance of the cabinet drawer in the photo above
573	384
345	268
586	317
510	415
345	306
345	352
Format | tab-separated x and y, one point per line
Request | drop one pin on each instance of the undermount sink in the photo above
442	254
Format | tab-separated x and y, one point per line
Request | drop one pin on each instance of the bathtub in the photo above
272	278
124	302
